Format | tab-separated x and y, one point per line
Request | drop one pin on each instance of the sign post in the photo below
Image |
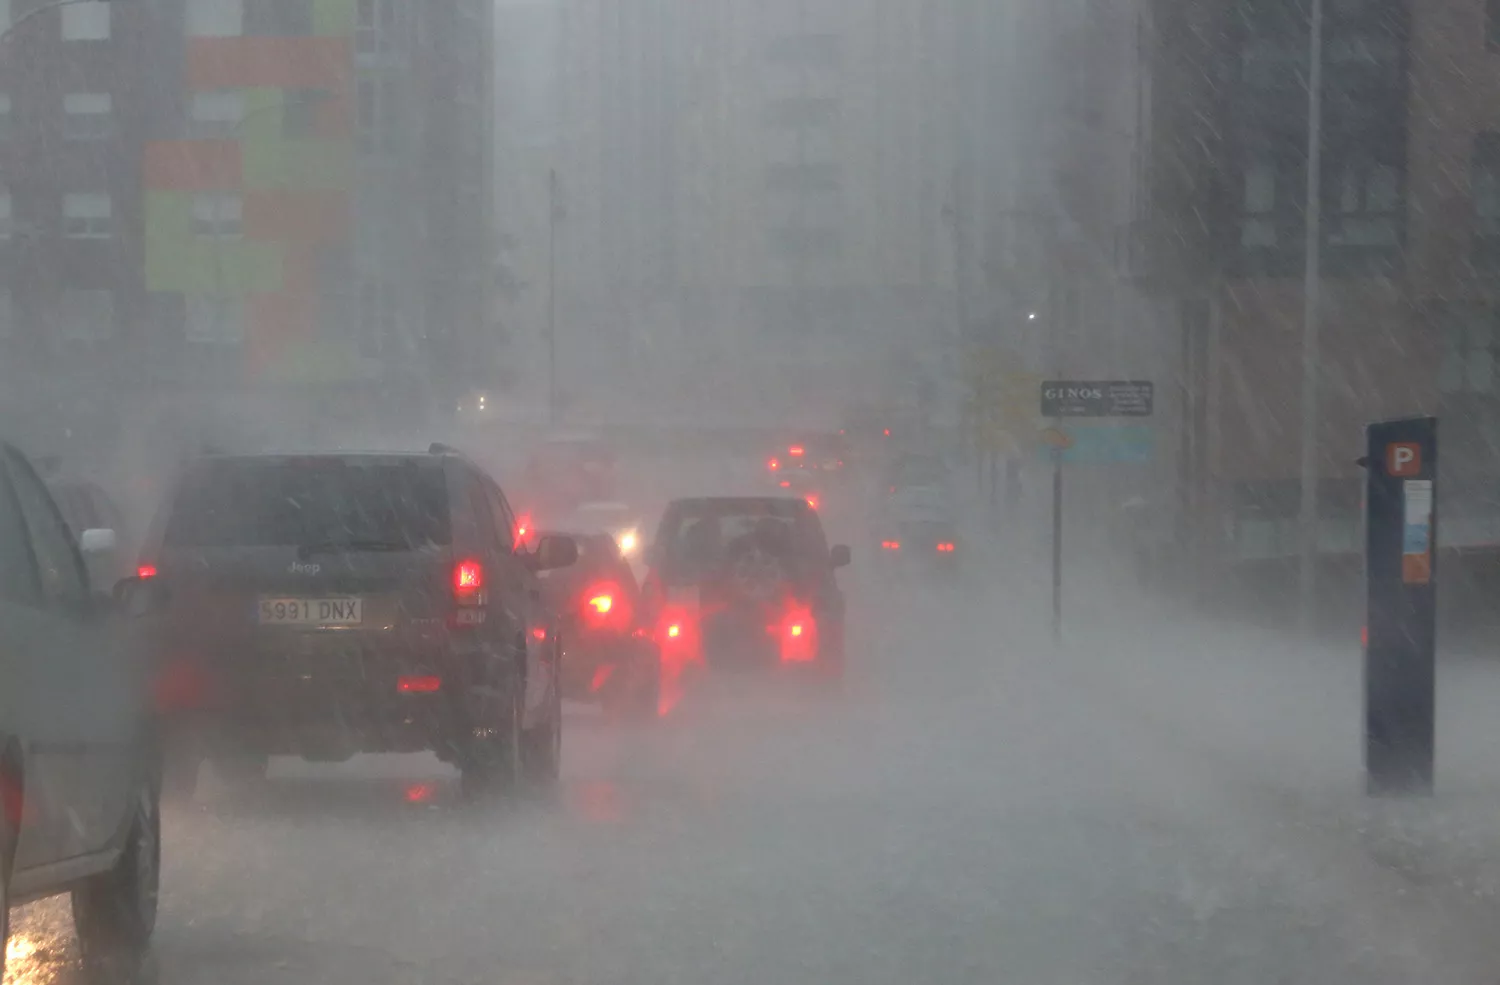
1400	578
1082	398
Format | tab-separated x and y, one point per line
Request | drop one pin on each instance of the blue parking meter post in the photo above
1400	463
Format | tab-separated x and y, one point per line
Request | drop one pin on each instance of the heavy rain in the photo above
823	492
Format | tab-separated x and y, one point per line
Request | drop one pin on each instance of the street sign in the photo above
1098	398
1101	444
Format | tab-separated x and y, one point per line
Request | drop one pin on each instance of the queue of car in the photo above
325	605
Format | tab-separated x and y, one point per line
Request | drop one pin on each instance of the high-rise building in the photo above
757	186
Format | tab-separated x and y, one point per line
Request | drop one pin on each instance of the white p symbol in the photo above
1404	456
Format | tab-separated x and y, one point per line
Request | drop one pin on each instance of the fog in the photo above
807	491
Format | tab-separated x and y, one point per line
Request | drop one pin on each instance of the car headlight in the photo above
628	542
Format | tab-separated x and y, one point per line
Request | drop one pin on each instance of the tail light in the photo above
890	545
774	465
523	527
786	483
945	548
423	684
146	571
812	501
468	595
601	604
796	451
799	635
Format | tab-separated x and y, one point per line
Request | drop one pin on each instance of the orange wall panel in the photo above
193	165
270	63
296	216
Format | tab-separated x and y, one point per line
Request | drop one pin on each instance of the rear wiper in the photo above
342	546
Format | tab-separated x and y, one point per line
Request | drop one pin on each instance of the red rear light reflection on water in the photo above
146	571
426	684
539	633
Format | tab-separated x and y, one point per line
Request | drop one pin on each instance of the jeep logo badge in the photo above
298	568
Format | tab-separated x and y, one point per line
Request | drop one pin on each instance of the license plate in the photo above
311	612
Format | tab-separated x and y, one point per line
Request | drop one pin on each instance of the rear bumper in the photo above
593	661
328	703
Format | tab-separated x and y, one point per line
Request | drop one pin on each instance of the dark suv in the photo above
749	583
333	604
78	761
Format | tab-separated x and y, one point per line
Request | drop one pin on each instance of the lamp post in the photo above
1311	288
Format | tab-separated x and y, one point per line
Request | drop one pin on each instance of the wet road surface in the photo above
978	807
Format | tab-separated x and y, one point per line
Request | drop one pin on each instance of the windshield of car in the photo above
315	502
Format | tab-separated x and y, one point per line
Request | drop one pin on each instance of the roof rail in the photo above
438	448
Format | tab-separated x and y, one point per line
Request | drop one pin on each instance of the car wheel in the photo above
492	760
241	769
541	750
115	912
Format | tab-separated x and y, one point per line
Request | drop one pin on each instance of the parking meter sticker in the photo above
1416	534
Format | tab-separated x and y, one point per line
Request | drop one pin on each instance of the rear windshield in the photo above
278	503
703	534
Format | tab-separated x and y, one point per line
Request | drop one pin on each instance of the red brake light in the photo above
796	451
674	631
146	571
890	545
786	483
539	633
774	465
799	641
887	432
419	685
812	501
523	526
945	548
468	578
602	604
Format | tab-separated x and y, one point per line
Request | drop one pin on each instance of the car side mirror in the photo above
97	542
554	551
140	596
840	557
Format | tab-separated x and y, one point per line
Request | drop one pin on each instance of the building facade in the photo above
757	186
211	197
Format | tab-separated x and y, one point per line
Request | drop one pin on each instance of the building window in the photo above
7	223
216	114
1469	342
218	215
1258	210
4	116
1484	181
86	21
1492	24
373	25
87	215
279	18
1366	206
215	18
214	320
86	115
7	316
86	315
